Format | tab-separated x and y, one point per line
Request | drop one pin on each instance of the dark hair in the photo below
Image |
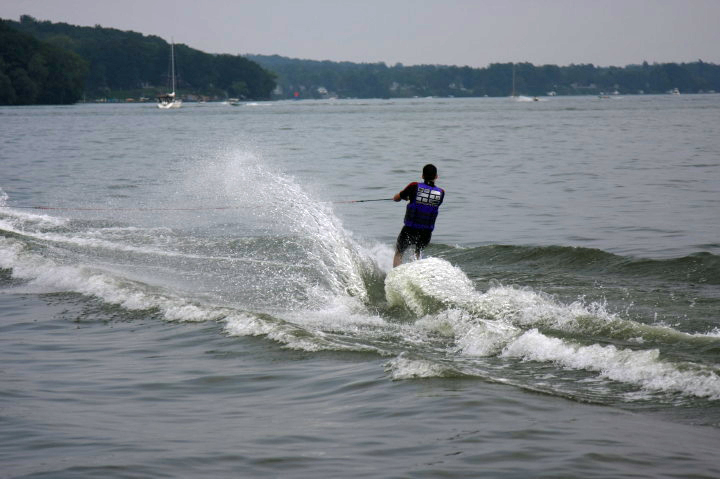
429	172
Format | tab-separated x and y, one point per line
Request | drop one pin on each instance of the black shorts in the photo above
419	238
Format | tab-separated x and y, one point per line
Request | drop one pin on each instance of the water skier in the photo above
424	201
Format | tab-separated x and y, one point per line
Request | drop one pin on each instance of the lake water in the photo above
191	293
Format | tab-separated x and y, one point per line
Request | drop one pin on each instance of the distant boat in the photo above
168	101
514	96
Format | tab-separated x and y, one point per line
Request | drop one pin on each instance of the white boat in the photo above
520	98
169	100
513	95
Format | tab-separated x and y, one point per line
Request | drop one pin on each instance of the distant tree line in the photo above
45	62
320	79
34	72
128	64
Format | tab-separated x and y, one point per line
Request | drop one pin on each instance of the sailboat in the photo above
167	101
514	96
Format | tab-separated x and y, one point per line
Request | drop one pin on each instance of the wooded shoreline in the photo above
55	63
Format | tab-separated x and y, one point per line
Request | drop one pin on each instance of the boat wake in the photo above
289	271
530	327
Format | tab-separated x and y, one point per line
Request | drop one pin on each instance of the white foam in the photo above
246	325
341	313
643	368
715	333
48	276
306	337
16	217
472	336
403	368
24	216
428	285
381	254
283	333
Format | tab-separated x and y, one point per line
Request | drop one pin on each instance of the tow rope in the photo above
202	208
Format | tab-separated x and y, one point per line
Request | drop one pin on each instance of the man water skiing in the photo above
422	210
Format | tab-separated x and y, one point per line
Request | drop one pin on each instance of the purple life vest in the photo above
422	210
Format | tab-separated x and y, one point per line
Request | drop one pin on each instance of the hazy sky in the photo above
447	32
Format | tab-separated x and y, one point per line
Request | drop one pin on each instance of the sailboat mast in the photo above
172	64
168	100
513	80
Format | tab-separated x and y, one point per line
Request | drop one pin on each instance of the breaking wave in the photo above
521	324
